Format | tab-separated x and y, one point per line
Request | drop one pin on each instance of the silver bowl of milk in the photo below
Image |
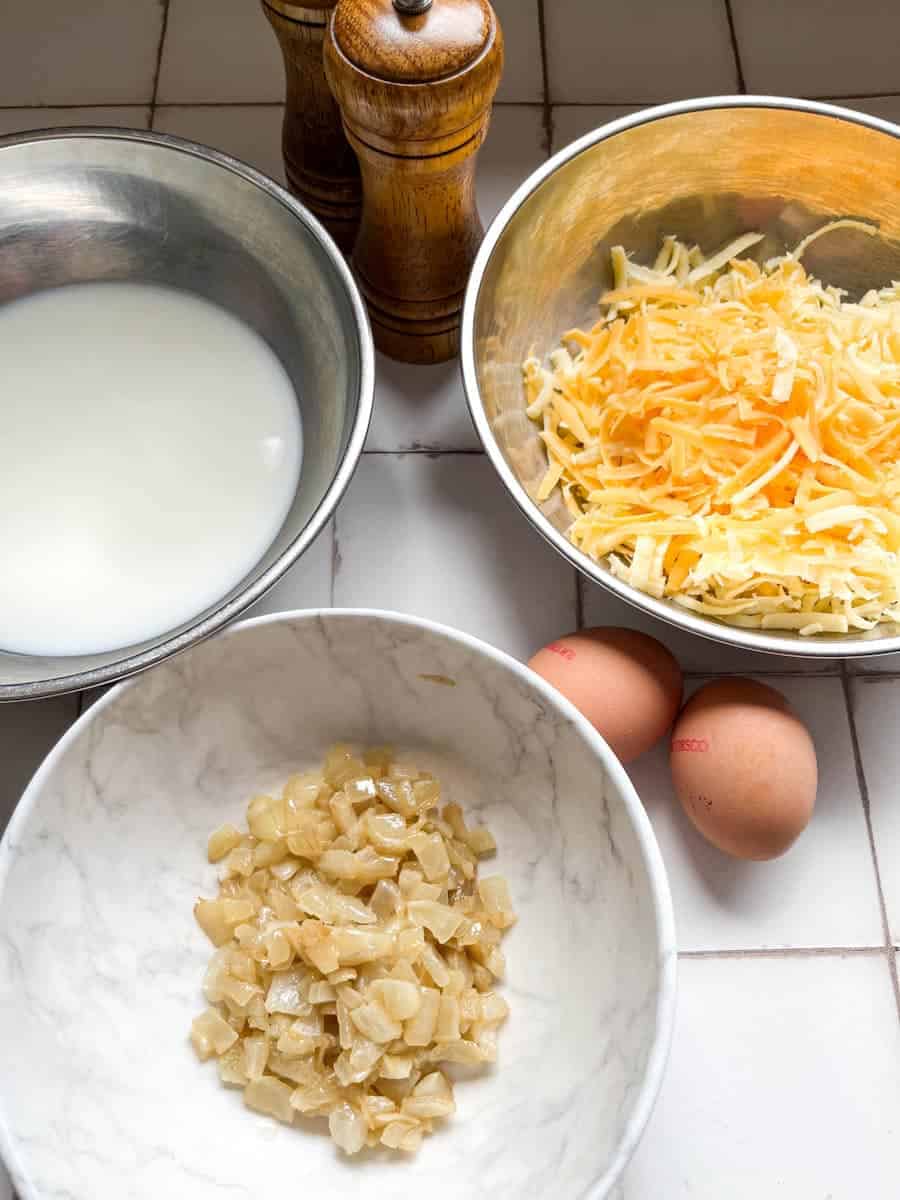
187	381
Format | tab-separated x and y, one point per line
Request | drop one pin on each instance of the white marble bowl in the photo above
101	962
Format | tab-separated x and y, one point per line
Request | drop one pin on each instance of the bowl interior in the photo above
102	962
706	173
123	205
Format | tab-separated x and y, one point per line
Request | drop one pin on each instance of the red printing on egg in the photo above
690	745
563	651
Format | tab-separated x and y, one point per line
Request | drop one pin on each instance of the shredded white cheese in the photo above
728	435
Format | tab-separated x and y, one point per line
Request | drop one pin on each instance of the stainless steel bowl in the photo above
80	205
707	170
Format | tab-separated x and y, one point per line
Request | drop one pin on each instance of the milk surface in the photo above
150	447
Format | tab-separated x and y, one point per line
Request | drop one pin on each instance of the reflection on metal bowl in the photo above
707	171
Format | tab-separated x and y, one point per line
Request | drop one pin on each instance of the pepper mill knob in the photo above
415	80
320	167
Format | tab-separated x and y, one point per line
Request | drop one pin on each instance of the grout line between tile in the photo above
220	104
862	784
579	600
499	104
335	559
735	49
894	968
159	58
545	76
857	96
790	952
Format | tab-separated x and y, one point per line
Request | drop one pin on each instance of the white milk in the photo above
150	447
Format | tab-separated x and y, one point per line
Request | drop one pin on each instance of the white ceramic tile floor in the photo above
784	1082
641	52
84	52
436	536
307	584
876	708
571	121
250	132
818	47
522	74
221	52
880	664
784	1074
821	893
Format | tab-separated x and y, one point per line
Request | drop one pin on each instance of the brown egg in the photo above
744	768
627	684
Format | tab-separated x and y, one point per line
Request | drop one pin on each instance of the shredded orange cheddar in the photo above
728	435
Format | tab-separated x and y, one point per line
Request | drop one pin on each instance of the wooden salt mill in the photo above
415	80
321	169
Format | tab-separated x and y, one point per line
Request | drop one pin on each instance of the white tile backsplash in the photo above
307	584
249	132
640	52
876	706
438	537
220	52
822	892
818	47
783	1082
78	52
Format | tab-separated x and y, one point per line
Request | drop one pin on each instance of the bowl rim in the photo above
224	613
660	892
826	646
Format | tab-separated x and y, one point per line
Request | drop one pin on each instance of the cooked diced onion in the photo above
222	842
347	1128
356	951
211	1034
270	1096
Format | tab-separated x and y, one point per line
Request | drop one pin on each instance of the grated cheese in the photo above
728	435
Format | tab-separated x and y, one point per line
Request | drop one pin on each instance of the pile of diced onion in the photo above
728	436
357	951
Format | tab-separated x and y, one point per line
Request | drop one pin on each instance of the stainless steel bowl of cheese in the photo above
723	180
188	382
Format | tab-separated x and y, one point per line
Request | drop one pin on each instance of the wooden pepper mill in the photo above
414	80
321	169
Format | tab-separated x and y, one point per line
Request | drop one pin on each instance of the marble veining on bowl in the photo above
101	963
